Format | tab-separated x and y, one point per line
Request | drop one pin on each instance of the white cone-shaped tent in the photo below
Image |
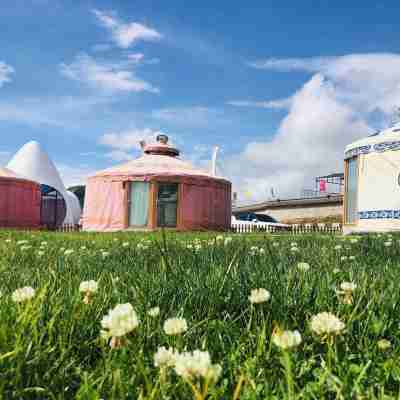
372	177
33	163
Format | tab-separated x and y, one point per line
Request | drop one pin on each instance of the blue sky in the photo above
280	88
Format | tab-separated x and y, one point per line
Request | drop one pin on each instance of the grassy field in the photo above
51	346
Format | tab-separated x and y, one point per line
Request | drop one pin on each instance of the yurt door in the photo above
138	204
167	205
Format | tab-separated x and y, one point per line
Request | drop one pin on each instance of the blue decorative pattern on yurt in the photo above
378	148
379	214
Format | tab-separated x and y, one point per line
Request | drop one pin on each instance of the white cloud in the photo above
56	111
123	142
366	81
272	104
109	77
5	73
341	101
126	34
310	64
74	175
189	116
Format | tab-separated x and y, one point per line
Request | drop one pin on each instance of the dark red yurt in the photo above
157	190
19	201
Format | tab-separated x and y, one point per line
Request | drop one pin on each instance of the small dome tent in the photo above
157	190
372	183
19	201
58	206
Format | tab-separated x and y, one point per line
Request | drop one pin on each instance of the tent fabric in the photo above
204	200
19	202
104	206
375	198
389	138
33	163
153	166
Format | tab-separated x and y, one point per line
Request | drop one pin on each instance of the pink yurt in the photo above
157	190
20	200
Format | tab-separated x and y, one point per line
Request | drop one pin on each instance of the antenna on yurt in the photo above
214	161
142	144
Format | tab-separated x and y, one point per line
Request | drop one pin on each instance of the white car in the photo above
257	220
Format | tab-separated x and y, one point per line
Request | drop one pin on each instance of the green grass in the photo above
50	347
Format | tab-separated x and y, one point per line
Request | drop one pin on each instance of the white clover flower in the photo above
125	244
352	258
261	250
8	240
388	243
23	294
338	247
343	258
105	254
293	244
348	286
197	247
384	344
21	242
88	286
189	246
336	270
326	324
121	320
275	244
25	248
258	296
83	248
116	239
68	252
165	357
294	249
303	266
253	250
41	253
175	326
219	238
286	339
196	365
354	240
227	240
154	312
43	243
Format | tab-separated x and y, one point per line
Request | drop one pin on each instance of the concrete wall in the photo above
295	214
303	210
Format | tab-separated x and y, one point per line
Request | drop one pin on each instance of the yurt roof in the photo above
6	173
387	137
33	163
158	160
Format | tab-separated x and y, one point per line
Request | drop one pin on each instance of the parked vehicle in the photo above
258	220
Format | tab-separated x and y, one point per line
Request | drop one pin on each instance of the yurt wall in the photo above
19	203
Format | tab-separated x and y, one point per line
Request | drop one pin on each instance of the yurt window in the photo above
167	205
351	190
138	202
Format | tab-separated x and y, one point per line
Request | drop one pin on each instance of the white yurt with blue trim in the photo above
372	183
